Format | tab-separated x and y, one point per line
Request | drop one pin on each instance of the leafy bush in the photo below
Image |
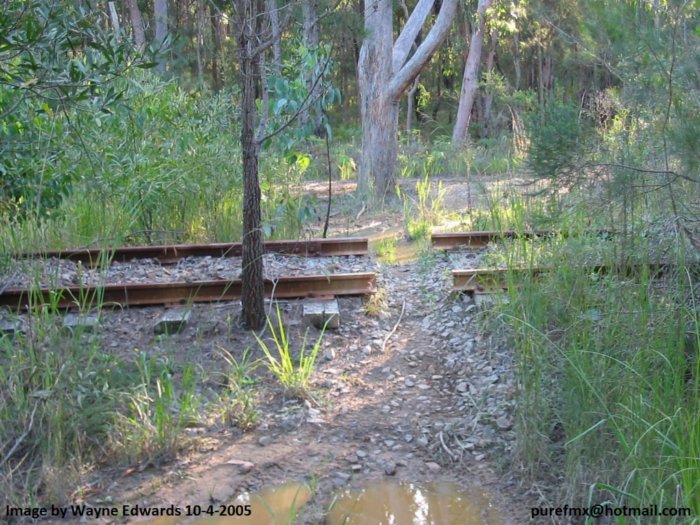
557	142
55	58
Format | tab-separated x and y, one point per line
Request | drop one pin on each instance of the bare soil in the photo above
417	391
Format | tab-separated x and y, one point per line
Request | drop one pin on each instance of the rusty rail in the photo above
481	239
141	294
169	254
482	280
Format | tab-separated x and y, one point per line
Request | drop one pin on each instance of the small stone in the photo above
80	322
479	457
462	387
408	383
356	467
422	441
389	442
243	466
390	468
503	423
344	476
432	466
361	453
329	354
172	322
264	441
408	438
322	312
10	326
423	386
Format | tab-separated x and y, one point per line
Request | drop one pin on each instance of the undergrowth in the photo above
607	366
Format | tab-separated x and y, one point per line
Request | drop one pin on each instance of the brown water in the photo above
276	505
386	503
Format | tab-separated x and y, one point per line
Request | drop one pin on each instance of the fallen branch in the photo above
386	339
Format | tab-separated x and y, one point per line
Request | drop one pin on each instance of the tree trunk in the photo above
273	14
137	24
217	39
200	41
384	73
488	96
309	10
516	60
470	80
252	300
160	12
114	17
411	105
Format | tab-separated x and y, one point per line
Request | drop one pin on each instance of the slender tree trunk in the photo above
488	96
410	106
470	80
252	300
273	13
200	41
516	60
114	16
216	38
309	11
137	24
160	12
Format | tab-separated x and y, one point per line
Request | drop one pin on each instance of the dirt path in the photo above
412	394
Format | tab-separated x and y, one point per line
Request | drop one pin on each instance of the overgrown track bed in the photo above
481	239
486	280
140	294
169	254
173	274
60	273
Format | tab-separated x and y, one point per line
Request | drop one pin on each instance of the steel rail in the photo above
141	294
171	253
481	239
486	280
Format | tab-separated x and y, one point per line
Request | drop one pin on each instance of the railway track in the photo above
470	281
489	280
172	253
481	239
182	292
142	294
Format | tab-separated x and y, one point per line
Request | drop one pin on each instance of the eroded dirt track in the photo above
414	393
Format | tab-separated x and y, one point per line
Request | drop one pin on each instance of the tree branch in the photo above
639	170
403	78
305	104
414	23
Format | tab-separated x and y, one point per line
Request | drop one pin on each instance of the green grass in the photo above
294	375
610	390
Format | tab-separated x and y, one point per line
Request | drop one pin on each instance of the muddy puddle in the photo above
278	505
383	503
376	503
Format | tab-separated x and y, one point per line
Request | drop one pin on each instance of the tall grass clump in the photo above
293	374
58	399
157	410
423	212
609	381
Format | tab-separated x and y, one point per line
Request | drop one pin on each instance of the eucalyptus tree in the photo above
385	72
470	80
